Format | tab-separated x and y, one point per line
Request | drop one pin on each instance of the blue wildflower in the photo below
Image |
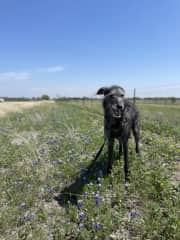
98	180
80	204
29	217
52	189
81	227
96	225
69	203
84	179
23	206
99	186
42	151
36	161
54	163
133	214
60	162
97	199
82	216
100	173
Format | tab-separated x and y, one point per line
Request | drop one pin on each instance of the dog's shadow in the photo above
70	194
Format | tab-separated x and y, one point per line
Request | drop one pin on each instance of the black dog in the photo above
120	117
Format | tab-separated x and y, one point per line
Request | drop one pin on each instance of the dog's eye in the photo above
112	96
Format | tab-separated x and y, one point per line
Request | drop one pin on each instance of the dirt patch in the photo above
6	107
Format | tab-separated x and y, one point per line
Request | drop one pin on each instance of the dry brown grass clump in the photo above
6	107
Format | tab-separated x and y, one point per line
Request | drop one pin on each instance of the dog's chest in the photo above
114	127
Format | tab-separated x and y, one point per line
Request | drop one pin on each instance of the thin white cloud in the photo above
26	75
52	69
15	76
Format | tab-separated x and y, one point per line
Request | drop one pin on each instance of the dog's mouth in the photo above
117	113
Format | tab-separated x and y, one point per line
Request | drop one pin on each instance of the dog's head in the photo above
113	102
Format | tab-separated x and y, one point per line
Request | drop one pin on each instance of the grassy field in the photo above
51	189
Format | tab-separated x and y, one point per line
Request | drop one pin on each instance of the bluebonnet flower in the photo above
81	227
73	183
36	161
96	225
33	215
29	217
52	189
97	199
84	179
23	206
52	142
54	163
82	216
26	218
11	174
100	173
80	203
133	214
99	186
42	151
98	180
18	182
69	203
60	162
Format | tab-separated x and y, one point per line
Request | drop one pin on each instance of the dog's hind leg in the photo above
136	130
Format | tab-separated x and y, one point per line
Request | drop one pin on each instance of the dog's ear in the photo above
103	91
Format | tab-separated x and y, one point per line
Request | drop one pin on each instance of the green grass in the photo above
50	188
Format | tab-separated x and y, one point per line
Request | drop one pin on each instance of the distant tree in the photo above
45	97
173	99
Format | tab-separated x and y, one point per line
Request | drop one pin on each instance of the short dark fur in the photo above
120	117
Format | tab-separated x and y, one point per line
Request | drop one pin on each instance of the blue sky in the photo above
71	48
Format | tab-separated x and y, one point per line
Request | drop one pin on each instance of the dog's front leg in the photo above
126	162
120	148
110	153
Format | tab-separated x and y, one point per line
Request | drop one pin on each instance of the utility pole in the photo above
134	96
